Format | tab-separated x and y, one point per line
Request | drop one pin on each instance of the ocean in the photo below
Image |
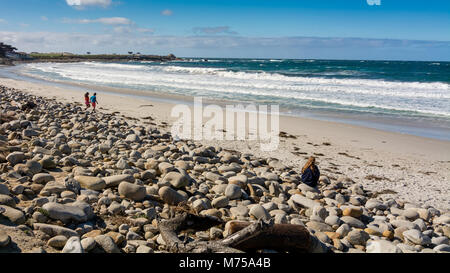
403	96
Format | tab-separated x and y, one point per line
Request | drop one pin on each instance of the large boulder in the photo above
14	215
78	211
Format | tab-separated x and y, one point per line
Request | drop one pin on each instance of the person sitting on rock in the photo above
310	173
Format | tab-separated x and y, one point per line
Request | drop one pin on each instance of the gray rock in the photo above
144	249
333	220
7	201
15	158
220	202
66	213
442	240
353	222
54	230
170	196
416	237
317	226
107	244
91	182
88	244
444	248
404	223
357	237
115	180
303	201
4	239
73	245
4	189
259	212
132	191
14	215
382	246
375	204
343	230
58	241
233	191
177	180
43	178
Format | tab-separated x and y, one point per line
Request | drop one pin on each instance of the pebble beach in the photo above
74	181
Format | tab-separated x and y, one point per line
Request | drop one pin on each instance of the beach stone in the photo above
375	204
357	237
15	158
144	249
43	178
58	241
4	189
442	240
343	230
382	246
88	244
73	245
239	211
444	248
107	244
132	191
54	230
259	212
233	191
406	248
122	164
199	205
170	196
165	167
4	239
320	212
67	213
318	226
303	201
305	188
240	180
48	162
91	182
411	214
354	212
220	202
404	223
115	180
177	180
33	167
14	215
442	220
7	201
416	237
353	222
333	220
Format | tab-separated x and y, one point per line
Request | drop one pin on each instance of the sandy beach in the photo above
406	167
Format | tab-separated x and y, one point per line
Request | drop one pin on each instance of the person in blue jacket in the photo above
310	173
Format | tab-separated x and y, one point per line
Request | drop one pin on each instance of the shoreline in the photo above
417	169
435	128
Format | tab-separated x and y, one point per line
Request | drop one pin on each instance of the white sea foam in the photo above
372	95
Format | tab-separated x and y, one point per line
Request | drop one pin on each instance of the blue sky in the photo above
336	29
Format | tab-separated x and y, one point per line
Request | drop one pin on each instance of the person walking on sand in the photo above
94	101
86	100
310	173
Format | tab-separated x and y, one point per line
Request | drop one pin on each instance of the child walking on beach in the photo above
86	100
94	101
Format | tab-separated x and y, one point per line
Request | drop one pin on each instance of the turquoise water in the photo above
408	97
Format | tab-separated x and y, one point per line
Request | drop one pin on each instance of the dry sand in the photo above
413	169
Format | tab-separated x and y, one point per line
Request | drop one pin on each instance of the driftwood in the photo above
245	236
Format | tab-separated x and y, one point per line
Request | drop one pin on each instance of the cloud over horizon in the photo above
167	12
214	30
228	46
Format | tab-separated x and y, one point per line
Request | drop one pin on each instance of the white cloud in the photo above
85	3
44	18
105	21
214	30
2	21
167	12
